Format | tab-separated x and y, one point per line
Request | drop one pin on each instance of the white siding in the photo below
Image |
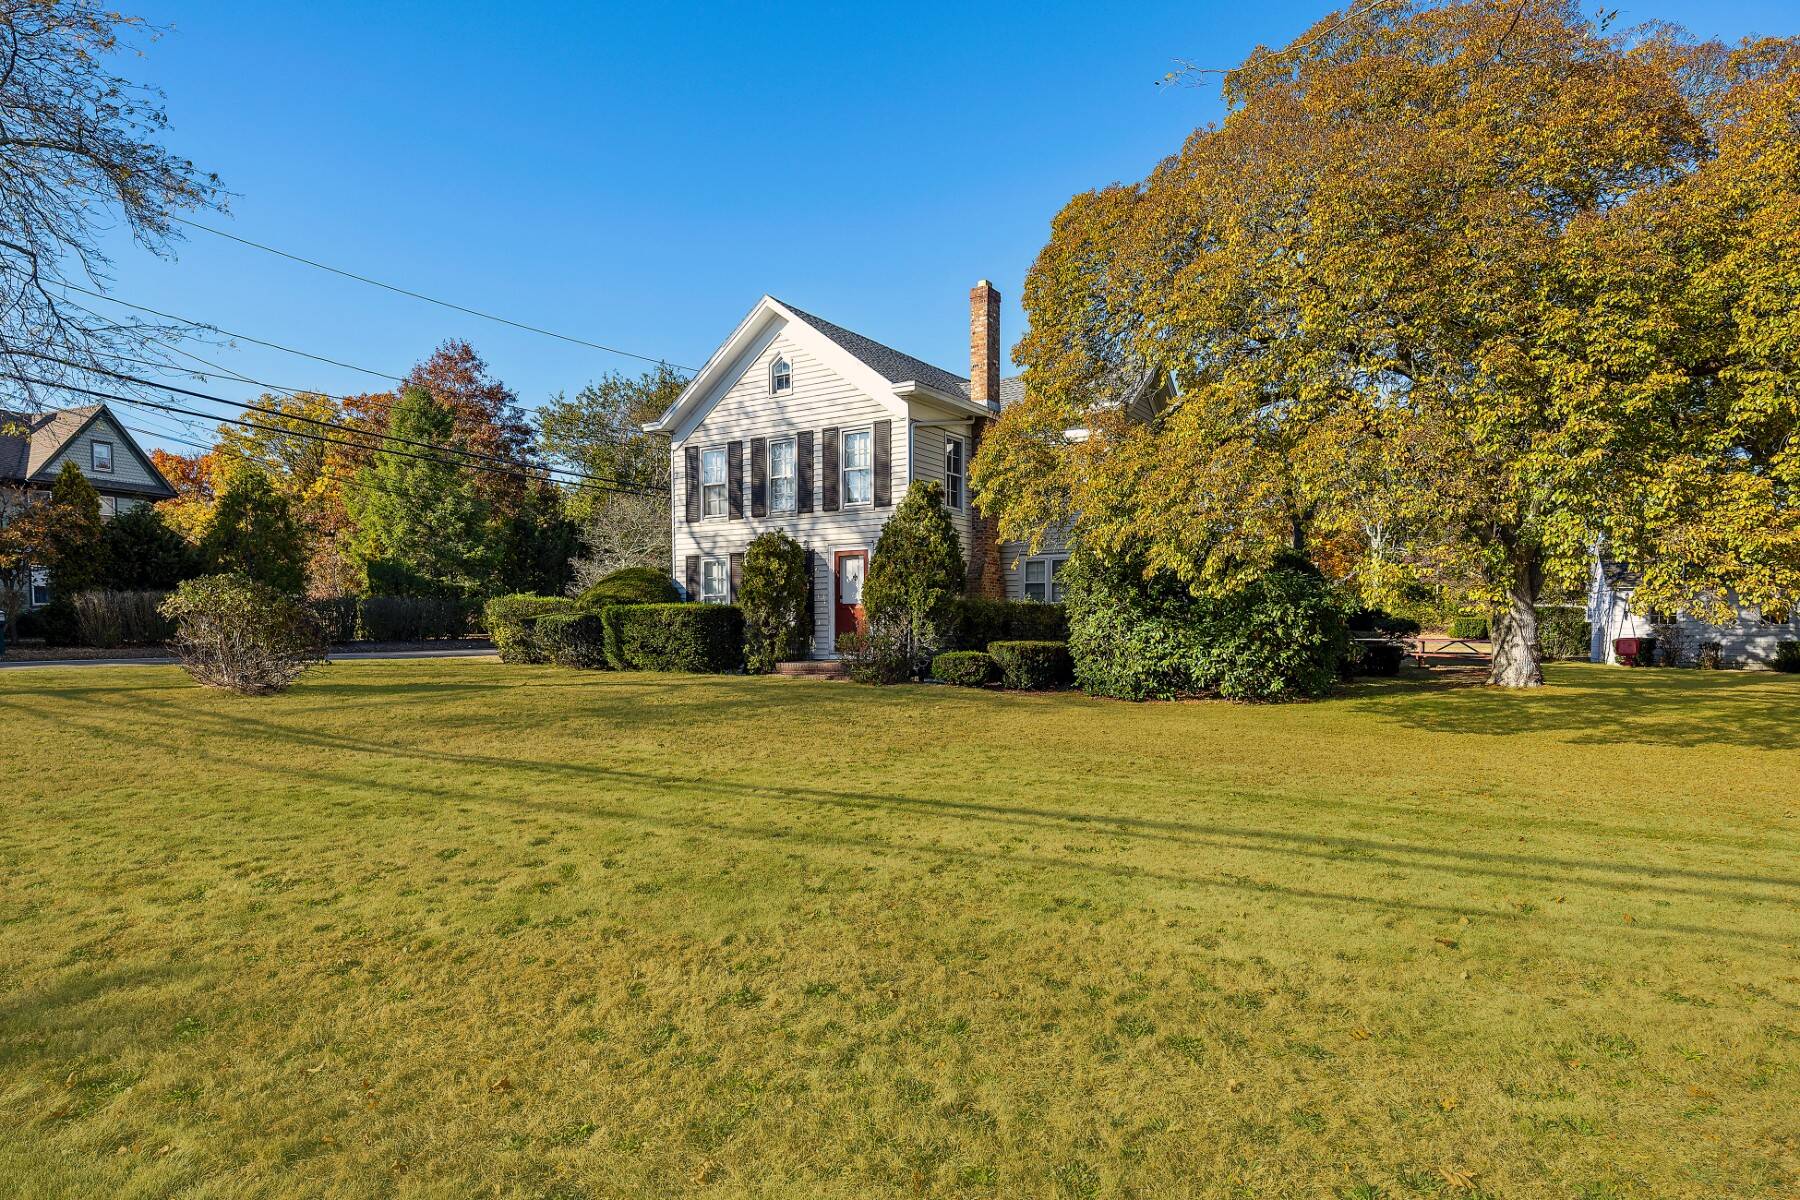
928	464
127	471
1745	642
1014	554
819	399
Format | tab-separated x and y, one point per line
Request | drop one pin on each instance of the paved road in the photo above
338	656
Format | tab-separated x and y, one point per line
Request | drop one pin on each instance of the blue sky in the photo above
639	175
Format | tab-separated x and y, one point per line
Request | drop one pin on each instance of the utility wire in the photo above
398	290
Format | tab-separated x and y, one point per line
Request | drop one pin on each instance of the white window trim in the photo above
723	485
794	460
781	360
962	476
844	436
93	455
1049	577
724	592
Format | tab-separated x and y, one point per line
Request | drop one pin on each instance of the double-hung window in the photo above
713	581
782	493
1043	579
781	376
954	473
102	456
712	482
859	468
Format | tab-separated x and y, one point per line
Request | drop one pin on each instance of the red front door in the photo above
847	570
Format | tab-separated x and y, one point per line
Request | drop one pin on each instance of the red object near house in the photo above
1634	651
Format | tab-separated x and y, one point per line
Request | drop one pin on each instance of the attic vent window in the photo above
781	376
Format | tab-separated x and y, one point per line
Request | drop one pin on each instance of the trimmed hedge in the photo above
512	624
975	621
394	618
964	668
700	638
1787	657
572	639
630	585
1033	666
1471	627
1564	633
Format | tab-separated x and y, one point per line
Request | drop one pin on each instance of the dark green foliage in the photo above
1564	633
572	639
1473	628
964	668
1374	658
73	545
25	625
59	622
701	638
538	543
512	620
876	654
1032	666
108	619
777	621
916	571
237	633
974	621
632	585
254	533
411	618
1787	656
1279	637
1364	622
143	554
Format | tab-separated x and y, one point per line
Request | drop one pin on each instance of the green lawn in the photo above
452	929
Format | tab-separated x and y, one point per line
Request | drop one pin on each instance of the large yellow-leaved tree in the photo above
1455	291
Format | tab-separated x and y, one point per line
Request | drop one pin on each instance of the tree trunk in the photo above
1515	637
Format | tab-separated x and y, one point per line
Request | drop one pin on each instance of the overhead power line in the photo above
401	291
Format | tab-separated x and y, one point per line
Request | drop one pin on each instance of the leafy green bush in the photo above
777	620
512	620
1032	666
1469	626
1787	656
108	619
1374	621
60	623
630	585
1133	636
572	639
25	625
1563	633
877	654
916	572
236	633
974	621
701	638
1375	658
964	668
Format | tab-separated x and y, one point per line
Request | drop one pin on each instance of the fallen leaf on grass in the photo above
1234	1086
1360	1034
1447	1103
1444	941
1463	1181
500	1087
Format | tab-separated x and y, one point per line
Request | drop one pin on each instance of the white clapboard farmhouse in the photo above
801	425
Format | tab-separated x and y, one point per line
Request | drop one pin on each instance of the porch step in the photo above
820	669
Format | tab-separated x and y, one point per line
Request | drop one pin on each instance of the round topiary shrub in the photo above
1032	666
964	668
235	633
630	585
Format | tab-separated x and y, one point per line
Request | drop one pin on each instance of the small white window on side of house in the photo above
1043	579
109	506
954	473
782	491
859	468
40	586
713	581
101	456
781	375
712	482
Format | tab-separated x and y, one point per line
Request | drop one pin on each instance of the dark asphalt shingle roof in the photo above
886	361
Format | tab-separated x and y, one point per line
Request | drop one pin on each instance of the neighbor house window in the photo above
109	506
712	581
712	482
781	375
859	468
40	586
782	495
953	472
102	456
1043	579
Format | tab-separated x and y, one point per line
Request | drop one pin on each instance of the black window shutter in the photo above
884	463
693	483
803	472
828	454
737	576
693	577
734	478
759	477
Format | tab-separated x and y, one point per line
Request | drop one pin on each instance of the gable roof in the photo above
886	361
29	442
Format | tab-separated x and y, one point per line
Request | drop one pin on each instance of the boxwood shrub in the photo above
701	638
1033	666
964	668
974	621
572	639
1564	633
1787	656
1475	628
512	624
630	585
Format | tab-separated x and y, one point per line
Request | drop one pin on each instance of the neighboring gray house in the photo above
34	447
798	424
1749	641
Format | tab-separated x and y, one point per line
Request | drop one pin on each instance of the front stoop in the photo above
816	669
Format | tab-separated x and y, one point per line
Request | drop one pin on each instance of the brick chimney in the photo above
986	571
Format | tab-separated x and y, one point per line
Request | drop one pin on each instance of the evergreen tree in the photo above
144	554
916	571
254	533
72	542
538	544
774	599
421	527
